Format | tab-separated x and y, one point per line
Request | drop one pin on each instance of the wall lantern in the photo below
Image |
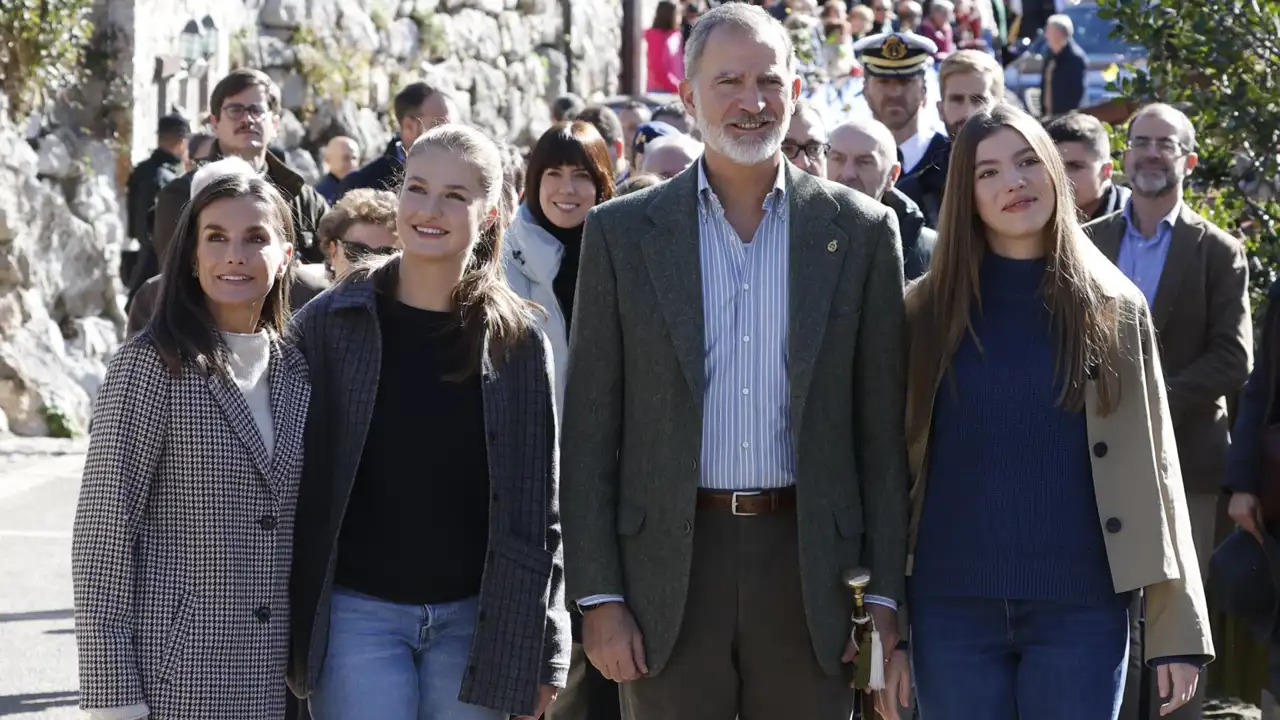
210	35
190	43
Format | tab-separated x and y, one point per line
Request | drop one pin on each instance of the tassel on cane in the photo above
870	663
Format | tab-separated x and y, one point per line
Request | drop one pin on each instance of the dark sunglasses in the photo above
358	250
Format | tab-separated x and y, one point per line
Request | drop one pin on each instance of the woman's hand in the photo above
546	696
897	686
1245	510
1177	681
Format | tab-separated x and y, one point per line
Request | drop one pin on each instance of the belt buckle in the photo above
733	507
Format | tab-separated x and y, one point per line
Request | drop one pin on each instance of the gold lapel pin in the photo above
833	246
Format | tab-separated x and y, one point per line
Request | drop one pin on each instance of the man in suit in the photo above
1196	280
1062	85
418	107
733	417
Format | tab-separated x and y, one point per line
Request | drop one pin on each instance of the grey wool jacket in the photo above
522	633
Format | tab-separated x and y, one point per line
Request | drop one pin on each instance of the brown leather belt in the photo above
747	503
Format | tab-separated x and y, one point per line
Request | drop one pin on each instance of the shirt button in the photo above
746	338
745	444
746	391
746	286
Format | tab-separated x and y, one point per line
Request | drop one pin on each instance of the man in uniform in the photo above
894	64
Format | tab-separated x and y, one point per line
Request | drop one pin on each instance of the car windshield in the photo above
1093	33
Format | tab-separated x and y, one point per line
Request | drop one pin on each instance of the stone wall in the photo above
60	315
344	60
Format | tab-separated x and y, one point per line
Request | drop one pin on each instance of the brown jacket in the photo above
307	205
1205	331
1141	504
308	282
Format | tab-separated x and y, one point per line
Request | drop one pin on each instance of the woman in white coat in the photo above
569	173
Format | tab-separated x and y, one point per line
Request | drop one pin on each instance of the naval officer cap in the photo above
895	54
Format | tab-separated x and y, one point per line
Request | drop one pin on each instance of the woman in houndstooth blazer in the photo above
428	575
184	531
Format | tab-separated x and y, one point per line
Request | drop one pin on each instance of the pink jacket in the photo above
666	59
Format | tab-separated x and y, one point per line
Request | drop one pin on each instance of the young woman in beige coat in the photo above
1046	482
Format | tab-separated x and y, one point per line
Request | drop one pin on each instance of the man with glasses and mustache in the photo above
1196	278
806	142
732	436
895	65
418	107
245	115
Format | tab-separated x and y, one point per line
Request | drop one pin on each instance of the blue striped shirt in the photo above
746	419
1142	258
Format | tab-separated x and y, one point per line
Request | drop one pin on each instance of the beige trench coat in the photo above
1142	506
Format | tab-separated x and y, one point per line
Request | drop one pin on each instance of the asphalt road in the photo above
39	482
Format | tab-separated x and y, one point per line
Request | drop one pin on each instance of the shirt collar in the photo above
1167	221
708	195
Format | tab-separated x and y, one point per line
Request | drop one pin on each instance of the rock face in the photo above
60	318
503	59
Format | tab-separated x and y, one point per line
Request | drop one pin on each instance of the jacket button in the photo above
1100	449
267	523
687	527
1113	525
262	614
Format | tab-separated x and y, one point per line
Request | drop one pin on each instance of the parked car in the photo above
1110	58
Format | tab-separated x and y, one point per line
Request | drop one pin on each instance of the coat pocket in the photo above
630	518
175	641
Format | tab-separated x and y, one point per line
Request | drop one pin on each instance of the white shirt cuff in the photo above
129	712
593	600
878	600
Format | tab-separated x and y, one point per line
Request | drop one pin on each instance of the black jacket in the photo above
917	238
927	180
384	173
1114	198
1069	69
145	183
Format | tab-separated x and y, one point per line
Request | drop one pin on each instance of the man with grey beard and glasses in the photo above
732	436
1196	281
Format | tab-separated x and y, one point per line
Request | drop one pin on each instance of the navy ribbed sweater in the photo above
1009	507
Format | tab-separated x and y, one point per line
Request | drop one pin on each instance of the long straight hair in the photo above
182	326
1084	317
486	307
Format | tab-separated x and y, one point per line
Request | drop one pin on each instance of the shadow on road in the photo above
35	702
67	614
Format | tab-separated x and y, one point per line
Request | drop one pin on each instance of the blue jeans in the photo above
1008	659
387	661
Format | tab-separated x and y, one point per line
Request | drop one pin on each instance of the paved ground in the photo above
39	480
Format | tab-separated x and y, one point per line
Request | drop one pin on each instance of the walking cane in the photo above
869	667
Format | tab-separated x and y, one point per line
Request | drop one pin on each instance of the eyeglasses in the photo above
358	251
814	150
237	111
1168	147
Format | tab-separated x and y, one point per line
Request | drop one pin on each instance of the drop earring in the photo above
195	272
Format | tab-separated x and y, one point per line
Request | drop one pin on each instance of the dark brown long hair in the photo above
182	326
1084	318
486	307
575	143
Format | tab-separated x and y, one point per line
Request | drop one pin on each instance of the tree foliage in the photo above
42	45
1219	62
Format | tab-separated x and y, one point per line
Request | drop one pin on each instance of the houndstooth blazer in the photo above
521	637
183	541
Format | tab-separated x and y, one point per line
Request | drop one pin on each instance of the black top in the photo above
416	526
566	281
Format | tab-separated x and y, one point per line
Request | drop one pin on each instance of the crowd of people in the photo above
596	432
